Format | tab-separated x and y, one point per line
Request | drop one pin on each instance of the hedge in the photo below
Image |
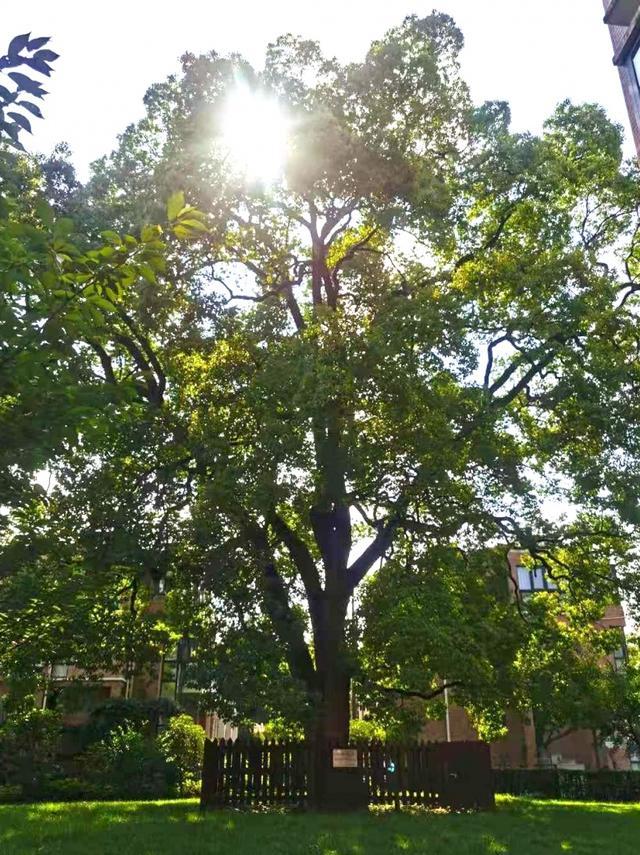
601	786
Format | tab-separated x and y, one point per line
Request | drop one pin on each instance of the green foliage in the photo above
389	360
620	715
140	716
364	730
10	793
15	107
281	729
129	764
53	609
412	611
603	785
29	740
182	745
62	598
67	789
439	613
121	756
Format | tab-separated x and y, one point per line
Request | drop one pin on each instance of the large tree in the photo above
411	340
59	602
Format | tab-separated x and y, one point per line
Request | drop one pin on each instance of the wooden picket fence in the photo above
440	774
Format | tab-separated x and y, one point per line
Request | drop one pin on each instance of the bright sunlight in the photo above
255	132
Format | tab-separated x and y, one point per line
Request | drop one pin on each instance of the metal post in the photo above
447	722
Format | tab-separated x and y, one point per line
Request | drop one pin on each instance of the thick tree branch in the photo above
287	625
381	543
300	555
523	382
105	361
556	735
145	345
412	693
152	391
487	374
332	532
492	240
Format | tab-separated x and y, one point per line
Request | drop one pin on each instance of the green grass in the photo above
519	826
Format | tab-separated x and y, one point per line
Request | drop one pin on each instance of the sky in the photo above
531	54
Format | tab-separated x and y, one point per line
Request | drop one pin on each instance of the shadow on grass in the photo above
517	827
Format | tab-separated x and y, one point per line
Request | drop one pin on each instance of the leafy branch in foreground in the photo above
16	106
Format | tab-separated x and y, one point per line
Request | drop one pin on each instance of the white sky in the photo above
532	54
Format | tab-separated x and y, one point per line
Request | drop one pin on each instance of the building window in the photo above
534	579
59	672
635	61
619	659
168	679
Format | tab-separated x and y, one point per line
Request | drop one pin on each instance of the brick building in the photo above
518	749
623	20
159	681
79	694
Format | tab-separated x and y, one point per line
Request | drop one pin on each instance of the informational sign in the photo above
345	758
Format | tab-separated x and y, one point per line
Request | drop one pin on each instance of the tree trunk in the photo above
334	679
330	728
333	718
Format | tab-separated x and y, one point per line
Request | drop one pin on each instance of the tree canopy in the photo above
392	358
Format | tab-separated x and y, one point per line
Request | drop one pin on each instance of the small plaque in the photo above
345	758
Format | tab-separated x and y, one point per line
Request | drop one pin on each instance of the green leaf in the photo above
148	273
175	205
150	233
27	84
21	120
17	44
47	55
102	303
111	237
12	130
45	212
196	225
63	227
41	41
32	108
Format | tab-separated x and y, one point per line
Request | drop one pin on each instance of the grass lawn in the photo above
519	826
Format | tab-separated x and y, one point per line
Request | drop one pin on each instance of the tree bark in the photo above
334	678
330	725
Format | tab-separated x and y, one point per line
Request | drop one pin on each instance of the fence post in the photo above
208	788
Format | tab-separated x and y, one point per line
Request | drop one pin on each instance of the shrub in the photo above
128	713
29	739
281	729
604	785
10	793
361	730
129	764
70	790
182	745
